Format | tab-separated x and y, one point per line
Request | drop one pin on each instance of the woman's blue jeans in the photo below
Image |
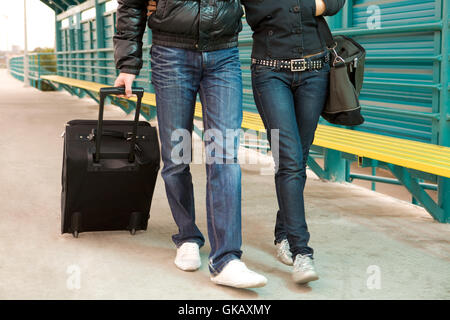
291	102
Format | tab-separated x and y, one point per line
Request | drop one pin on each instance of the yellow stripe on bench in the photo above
148	98
250	120
410	154
406	153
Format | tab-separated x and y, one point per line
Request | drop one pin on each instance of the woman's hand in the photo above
320	7
125	80
151	7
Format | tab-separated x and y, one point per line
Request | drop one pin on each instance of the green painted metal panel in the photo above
395	12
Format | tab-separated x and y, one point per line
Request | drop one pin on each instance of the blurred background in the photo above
41	28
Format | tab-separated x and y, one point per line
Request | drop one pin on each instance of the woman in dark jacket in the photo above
290	77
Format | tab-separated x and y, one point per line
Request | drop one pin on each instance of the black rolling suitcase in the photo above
109	172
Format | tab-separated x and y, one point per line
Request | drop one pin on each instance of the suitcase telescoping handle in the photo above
104	92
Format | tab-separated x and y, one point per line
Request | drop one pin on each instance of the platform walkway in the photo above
357	234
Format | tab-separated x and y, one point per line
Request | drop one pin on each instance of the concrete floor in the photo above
368	245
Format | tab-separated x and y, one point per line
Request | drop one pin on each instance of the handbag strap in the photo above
324	29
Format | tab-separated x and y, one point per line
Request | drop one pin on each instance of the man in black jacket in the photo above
194	52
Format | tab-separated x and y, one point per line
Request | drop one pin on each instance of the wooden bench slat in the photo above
439	170
365	146
88	85
432	155
417	147
387	139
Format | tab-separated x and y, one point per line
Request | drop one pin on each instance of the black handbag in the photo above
346	78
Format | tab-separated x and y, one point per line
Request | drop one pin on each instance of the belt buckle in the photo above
295	68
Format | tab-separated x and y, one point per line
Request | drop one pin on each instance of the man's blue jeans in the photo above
292	103
177	76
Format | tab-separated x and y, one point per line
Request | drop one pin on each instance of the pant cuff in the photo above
277	241
216	268
199	242
304	251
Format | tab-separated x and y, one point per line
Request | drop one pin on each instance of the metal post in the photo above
39	71
444	125
58	44
100	29
413	186
25	51
444	197
347	12
335	165
444	128
81	56
73	69
374	173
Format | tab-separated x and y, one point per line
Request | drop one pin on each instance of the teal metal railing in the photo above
39	64
15	66
97	65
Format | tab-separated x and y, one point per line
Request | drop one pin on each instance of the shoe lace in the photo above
304	262
284	248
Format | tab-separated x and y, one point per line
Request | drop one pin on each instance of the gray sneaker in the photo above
284	252
304	271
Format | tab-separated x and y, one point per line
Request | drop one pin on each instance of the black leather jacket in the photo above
203	25
286	29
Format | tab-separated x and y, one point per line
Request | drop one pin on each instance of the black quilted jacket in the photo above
203	25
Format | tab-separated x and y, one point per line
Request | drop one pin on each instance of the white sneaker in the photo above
284	252
237	275
304	270
188	257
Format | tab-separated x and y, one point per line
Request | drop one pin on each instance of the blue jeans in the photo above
292	103
177	76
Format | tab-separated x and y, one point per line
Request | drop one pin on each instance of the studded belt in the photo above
295	65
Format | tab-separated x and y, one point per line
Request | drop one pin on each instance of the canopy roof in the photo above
62	5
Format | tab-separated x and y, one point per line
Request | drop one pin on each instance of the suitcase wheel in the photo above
76	224
135	222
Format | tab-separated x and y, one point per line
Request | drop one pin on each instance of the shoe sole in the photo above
306	279
291	263
250	286
187	269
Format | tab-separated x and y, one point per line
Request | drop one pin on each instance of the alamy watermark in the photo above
374	19
73	281
374	279
222	147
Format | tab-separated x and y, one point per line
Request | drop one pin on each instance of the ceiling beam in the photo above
54	5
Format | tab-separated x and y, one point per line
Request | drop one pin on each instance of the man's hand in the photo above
125	80
320	7
151	7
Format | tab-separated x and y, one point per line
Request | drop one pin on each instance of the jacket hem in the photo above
171	40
